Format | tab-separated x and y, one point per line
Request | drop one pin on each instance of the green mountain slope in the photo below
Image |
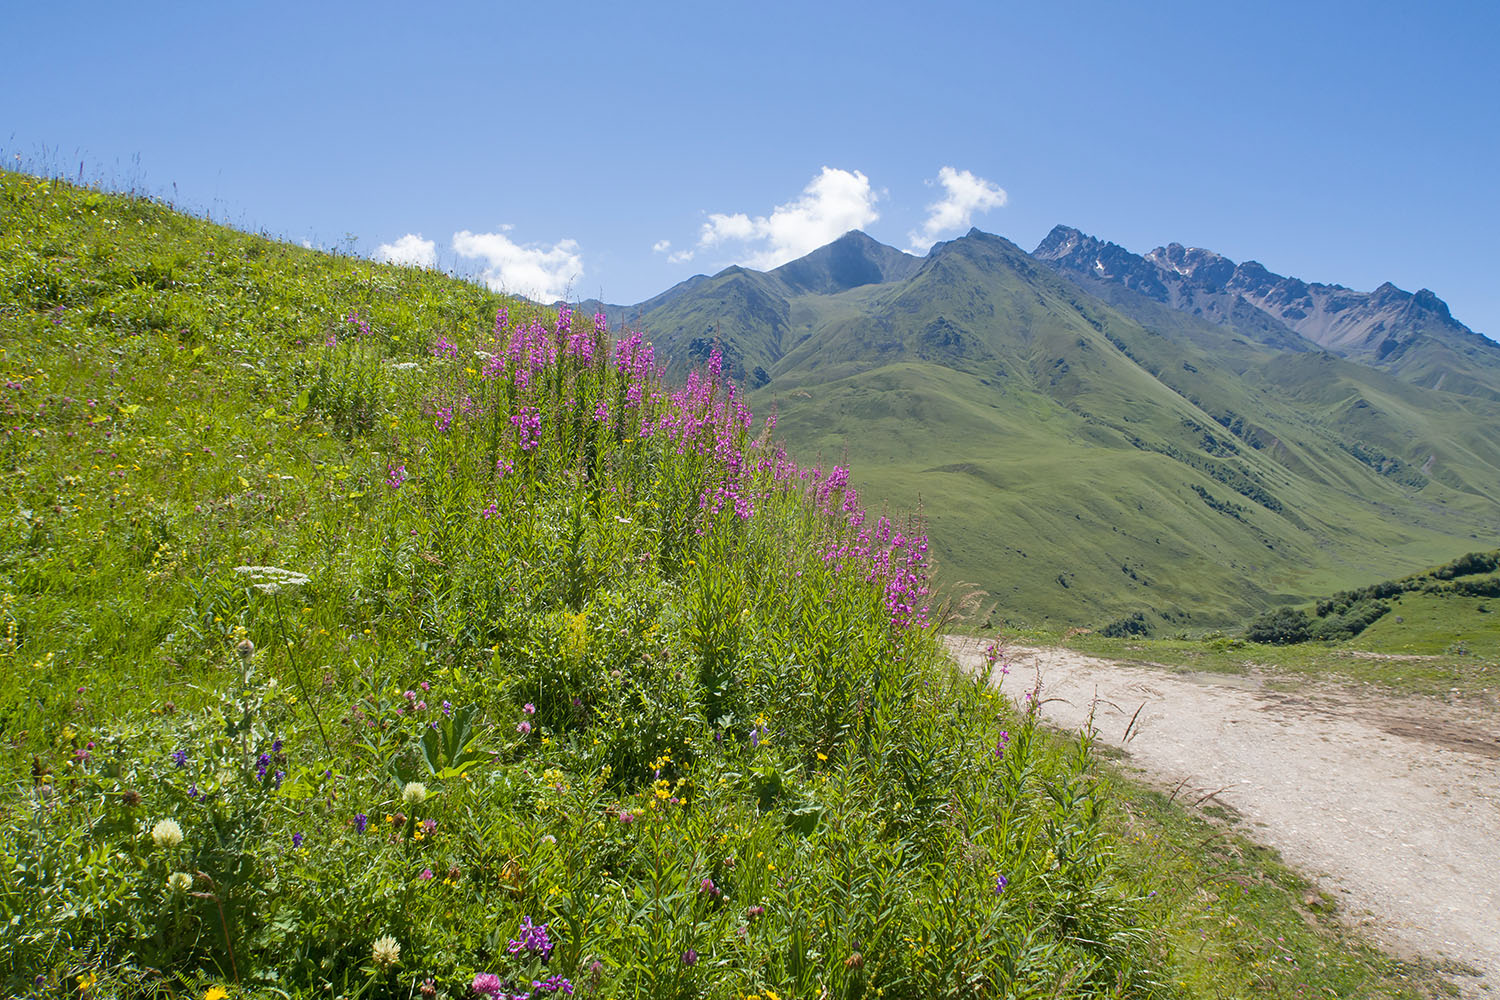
1080	463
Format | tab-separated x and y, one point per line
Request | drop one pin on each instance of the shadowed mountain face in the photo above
1413	335
1092	433
850	261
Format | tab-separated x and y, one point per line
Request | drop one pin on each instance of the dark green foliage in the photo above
1134	623
1280	627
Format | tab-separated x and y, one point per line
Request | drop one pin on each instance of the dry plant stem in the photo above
297	671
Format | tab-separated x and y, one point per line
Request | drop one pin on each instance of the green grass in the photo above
1426	645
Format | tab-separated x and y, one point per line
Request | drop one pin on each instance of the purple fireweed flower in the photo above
395	475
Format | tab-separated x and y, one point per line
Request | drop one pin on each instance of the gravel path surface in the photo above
1393	804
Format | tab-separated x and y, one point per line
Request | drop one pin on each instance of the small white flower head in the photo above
414	794
386	952
178	883
166	834
270	579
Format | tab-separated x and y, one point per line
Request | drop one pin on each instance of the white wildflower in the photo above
270	579
414	794
166	834
386	952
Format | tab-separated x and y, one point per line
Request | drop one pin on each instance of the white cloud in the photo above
410	250
963	196
679	257
661	246
543	273
834	202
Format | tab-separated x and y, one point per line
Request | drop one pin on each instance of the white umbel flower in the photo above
414	794
166	834
385	952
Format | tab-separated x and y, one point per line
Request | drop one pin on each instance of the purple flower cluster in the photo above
533	940
492	987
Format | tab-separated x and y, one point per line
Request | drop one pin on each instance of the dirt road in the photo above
1392	804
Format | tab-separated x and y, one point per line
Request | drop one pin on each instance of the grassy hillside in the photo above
1434	633
370	634
1081	465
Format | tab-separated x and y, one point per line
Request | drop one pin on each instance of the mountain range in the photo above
1091	433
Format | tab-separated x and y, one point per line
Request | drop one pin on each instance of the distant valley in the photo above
1093	434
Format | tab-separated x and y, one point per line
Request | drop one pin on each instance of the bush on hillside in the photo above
1281	627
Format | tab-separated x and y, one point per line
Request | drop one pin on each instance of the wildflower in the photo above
216	993
529	708
246	651
179	757
1000	883
297	839
429	826
179	883
523	727
414	793
385	951
533	939
361	821
130	797
755	912
270	580
690	957
426	875
166	834
486	984
429	988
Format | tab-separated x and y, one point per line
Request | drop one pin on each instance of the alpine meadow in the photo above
368	633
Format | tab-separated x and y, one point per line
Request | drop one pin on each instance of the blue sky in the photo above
614	149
